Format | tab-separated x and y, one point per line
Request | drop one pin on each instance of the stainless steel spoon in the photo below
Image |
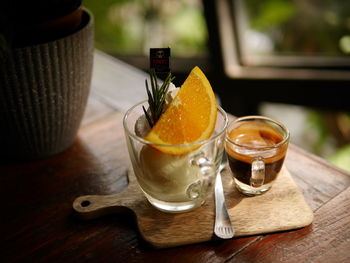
223	227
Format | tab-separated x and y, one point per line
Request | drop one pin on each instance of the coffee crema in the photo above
251	140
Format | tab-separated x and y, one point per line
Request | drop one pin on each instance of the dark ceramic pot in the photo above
43	94
44	21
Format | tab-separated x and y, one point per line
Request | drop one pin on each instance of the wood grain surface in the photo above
38	224
280	209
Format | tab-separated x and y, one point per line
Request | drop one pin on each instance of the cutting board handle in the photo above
92	206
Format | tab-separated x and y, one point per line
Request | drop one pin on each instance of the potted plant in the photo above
45	73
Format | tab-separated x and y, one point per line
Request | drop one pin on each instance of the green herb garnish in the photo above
156	97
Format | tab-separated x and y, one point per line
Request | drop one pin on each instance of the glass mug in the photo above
175	183
256	147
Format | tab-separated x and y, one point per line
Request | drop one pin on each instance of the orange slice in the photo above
190	117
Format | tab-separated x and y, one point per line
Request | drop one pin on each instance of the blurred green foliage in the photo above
131	27
341	158
312	27
269	13
335	147
317	124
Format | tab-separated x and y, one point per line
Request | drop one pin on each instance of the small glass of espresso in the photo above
256	147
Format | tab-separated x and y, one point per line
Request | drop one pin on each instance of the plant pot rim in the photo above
44	11
86	23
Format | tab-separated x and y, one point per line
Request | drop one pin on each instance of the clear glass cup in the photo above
175	183
256	147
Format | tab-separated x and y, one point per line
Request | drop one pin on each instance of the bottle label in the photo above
159	59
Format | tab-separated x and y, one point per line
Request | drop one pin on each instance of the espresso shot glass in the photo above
256	147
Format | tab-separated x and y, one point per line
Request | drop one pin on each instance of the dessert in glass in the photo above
176	161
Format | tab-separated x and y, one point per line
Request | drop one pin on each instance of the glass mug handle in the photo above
207	169
258	172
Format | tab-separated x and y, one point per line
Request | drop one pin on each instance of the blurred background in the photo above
268	34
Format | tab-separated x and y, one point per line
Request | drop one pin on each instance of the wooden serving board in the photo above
282	208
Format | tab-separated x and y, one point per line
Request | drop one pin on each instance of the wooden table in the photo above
38	223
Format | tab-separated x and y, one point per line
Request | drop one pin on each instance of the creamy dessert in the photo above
173	166
167	177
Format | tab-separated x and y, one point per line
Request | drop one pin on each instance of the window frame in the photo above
294	67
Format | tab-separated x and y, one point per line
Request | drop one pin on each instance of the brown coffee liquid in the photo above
255	134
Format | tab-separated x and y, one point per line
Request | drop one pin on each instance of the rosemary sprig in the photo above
156	97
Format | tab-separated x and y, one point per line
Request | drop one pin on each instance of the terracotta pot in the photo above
43	94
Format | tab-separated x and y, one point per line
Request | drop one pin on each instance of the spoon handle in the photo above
223	227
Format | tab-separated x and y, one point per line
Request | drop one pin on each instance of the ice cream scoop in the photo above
167	177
